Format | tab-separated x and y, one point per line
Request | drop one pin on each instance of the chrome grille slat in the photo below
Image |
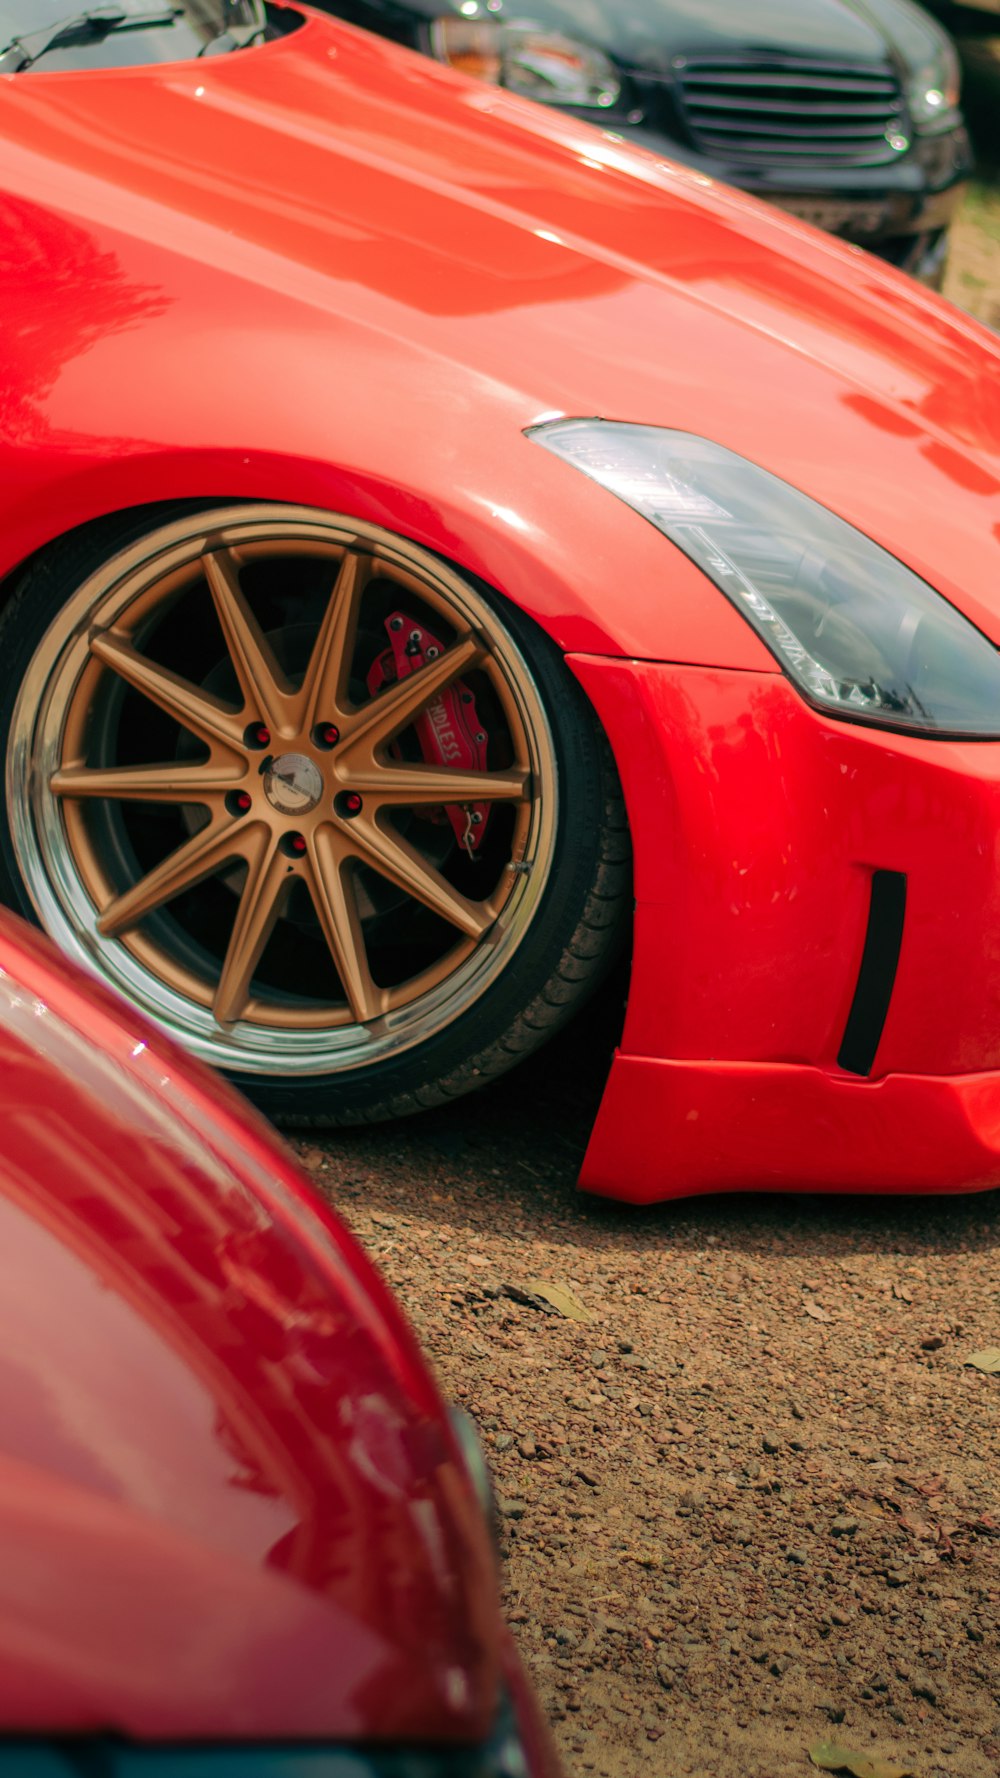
817	132
791	108
754	109
785	78
793	155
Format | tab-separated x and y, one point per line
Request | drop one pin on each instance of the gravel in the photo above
725	1524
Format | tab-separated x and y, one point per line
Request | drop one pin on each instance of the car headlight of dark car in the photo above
859	634
933	90
540	64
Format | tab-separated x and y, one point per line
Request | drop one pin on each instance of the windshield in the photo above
129	33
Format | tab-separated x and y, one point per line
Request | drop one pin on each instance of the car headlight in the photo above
933	91
527	59
859	634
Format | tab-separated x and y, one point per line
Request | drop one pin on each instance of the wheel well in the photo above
119	524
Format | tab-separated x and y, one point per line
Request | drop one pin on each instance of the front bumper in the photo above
760	829
683	1129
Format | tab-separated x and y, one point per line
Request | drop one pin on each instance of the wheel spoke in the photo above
395	858
325	687
199	857
413	786
390	711
146	784
194	709
264	686
264	892
329	878
268	739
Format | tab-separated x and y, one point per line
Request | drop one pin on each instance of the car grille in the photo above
791	110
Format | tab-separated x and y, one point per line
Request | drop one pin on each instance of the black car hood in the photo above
647	34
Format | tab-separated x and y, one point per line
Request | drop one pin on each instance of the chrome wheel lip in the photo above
64	907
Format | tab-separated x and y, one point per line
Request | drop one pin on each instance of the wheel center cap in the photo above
293	784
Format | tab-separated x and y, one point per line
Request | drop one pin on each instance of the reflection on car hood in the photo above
229	1505
479	256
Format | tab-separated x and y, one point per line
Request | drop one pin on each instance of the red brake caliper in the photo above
449	730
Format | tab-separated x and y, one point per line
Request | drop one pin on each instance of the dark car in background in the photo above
845	112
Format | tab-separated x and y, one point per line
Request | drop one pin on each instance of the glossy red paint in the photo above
676	1129
332	272
766	823
328	271
230	1501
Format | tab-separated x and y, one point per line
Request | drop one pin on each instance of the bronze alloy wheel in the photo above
290	784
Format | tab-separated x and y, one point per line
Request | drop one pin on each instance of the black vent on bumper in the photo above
792	111
877	975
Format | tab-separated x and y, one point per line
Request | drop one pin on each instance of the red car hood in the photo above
389	243
230	1504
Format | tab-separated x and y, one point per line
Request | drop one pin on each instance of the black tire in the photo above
577	921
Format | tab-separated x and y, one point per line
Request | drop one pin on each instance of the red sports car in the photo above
238	1534
410	501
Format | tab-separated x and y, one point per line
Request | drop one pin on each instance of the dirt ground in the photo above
973	273
753	1503
972	279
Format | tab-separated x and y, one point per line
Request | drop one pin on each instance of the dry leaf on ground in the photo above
988	1360
567	1304
817	1313
830	1758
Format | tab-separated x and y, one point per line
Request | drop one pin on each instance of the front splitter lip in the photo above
675	1129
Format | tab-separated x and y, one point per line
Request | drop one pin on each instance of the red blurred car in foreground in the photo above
237	1531
409	499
